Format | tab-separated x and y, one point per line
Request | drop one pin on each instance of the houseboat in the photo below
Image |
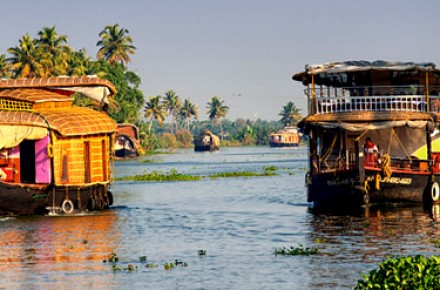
54	157
127	141
206	141
287	137
373	130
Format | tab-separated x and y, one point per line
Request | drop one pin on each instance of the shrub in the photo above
184	138
168	140
412	272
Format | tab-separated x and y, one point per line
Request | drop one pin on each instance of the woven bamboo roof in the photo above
57	82
71	121
33	95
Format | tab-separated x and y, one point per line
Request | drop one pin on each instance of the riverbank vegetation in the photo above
165	121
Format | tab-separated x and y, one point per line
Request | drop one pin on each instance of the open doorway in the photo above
27	161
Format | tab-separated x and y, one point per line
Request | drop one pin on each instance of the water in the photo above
239	222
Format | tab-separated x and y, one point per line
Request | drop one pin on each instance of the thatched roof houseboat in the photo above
53	156
206	141
127	141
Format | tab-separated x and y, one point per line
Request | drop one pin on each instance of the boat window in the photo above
87	177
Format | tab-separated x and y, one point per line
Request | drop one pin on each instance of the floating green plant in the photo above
411	272
176	263
143	259
151	265
240	174
436	243
296	251
112	258
201	252
172	175
270	168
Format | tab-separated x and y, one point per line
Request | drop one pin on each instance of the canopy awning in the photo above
361	127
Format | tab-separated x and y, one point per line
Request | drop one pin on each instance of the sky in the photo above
242	51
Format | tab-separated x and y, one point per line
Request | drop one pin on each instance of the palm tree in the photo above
172	103
290	115
78	63
216	111
4	67
154	111
188	111
115	45
54	50
23	60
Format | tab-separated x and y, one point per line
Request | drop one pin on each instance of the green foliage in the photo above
238	174
436	243
184	138
129	98
168	140
296	251
172	175
411	272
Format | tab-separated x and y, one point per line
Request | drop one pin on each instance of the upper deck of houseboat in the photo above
360	90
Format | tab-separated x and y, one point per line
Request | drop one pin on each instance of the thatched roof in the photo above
33	95
91	86
72	121
58	82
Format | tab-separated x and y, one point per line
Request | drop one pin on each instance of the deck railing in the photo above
340	100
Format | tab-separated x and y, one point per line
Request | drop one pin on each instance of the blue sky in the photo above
242	51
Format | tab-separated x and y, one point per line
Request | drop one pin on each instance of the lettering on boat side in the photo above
397	180
341	182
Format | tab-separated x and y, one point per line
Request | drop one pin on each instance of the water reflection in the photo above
352	244
32	246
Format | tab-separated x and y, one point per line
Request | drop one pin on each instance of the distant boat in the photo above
206	141
287	137
127	141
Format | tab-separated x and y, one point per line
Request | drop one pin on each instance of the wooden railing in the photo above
341	100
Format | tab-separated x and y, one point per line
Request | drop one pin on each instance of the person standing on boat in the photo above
371	151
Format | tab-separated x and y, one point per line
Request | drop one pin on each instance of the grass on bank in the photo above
173	175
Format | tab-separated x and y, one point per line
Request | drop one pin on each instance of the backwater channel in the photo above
238	222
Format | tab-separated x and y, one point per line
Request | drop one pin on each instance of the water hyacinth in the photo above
412	272
296	251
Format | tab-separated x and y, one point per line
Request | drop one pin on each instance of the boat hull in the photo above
126	153
330	189
400	187
36	199
278	144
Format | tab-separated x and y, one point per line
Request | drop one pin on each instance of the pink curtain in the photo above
42	161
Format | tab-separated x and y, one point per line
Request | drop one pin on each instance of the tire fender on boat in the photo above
67	206
435	192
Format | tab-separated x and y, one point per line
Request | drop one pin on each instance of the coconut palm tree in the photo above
24	61
188	111
172	103
115	45
154	111
4	67
290	115
54	50
78	63
216	111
